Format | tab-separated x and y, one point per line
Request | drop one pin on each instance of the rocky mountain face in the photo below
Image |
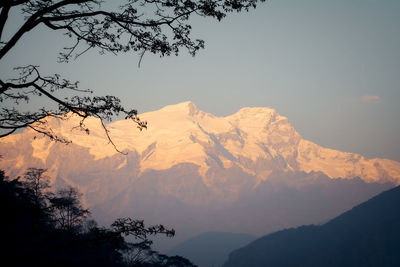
250	172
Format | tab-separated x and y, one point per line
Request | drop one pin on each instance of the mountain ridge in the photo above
250	172
211	248
250	139
366	235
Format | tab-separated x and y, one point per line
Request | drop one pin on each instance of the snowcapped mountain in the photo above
256	140
189	164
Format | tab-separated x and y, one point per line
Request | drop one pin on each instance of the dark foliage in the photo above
33	235
155	26
367	235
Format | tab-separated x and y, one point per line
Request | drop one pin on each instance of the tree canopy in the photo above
42	228
141	26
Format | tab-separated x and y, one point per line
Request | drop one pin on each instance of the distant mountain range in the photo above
250	172
367	235
211	248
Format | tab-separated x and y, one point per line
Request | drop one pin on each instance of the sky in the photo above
331	67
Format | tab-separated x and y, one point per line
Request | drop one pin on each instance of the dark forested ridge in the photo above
367	235
44	228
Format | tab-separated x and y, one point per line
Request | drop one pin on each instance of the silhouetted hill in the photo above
367	235
211	248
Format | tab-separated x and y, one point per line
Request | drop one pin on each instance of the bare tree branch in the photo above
139	26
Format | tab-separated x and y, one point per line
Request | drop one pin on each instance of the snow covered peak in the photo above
254	118
255	111
257	140
184	108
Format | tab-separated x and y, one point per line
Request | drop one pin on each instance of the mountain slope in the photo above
367	235
251	172
256	140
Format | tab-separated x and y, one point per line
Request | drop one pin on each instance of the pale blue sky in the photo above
331	67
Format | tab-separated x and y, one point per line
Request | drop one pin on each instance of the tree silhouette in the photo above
154	26
140	253
50	233
67	210
35	179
